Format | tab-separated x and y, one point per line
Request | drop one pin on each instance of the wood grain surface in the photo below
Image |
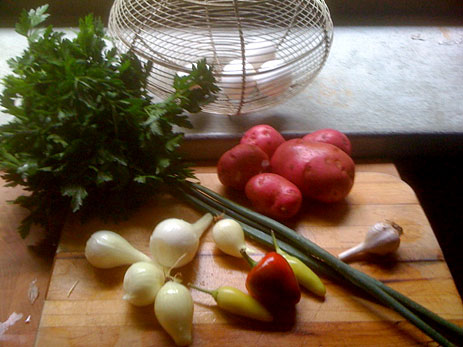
24	264
84	306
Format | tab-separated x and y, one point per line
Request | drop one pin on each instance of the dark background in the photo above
343	12
438	184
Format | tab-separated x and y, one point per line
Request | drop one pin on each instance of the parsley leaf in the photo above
86	136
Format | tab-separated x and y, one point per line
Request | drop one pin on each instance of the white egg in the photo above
273	78
231	81
259	52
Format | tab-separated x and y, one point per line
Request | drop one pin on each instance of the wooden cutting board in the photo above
83	305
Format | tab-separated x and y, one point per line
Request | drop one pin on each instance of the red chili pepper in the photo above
272	281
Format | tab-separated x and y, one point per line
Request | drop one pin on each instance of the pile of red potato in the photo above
276	174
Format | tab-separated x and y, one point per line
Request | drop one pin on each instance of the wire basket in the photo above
262	51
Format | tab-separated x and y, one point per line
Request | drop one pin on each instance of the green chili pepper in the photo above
235	301
305	276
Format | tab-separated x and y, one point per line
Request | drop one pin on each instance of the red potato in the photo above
273	195
331	136
237	165
263	136
320	170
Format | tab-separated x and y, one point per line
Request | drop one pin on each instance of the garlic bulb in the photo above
173	308
174	239
142	282
106	249
381	239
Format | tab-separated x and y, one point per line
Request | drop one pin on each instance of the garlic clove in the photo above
106	249
142	282
381	239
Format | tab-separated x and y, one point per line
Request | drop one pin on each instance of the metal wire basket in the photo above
262	51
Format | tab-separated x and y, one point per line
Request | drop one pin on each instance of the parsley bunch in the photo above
86	136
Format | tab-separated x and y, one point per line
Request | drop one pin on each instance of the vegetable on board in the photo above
106	249
235	301
174	241
272	281
321	171
228	236
331	136
258	227
274	195
381	239
237	165
174	309
263	136
305	276
142	282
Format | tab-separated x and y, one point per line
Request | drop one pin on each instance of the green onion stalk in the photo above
258	227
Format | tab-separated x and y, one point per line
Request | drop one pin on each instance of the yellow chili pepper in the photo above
235	301
305	276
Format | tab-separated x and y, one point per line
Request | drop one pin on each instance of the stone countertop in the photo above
394	89
377	79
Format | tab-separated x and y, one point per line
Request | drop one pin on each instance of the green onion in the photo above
314	250
266	239
255	225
